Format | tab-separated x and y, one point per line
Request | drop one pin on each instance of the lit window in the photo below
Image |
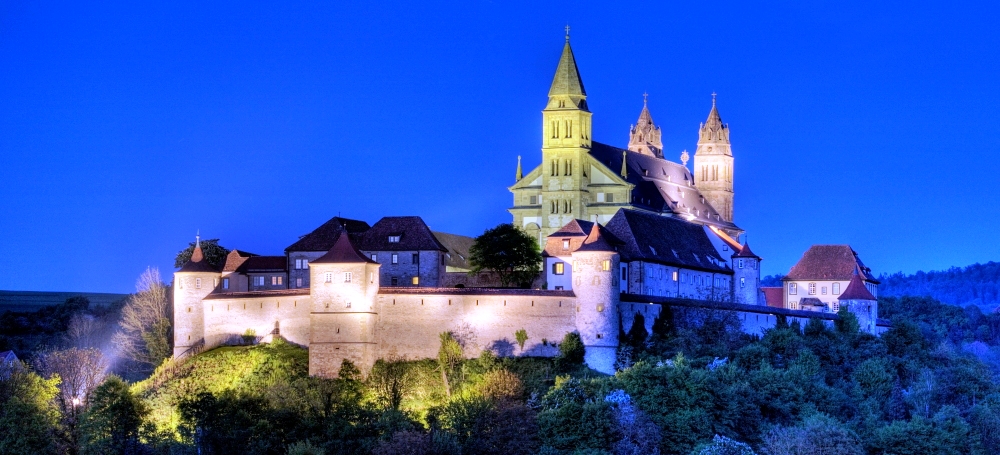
793	304
605	265
812	288
197	283
274	281
394	239
395	258
836	288
298	282
329	277
225	283
793	288
374	257
675	275
565	244
557	268
416	280
347	277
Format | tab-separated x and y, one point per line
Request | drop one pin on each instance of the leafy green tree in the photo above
390	380
215	254
571	350
28	413
722	445
449	356
521	336
509	252
816	435
113	422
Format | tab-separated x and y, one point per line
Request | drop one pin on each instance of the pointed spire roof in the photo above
595	241
567	79
343	251
856	290
713	129
624	172
745	252
519	175
197	263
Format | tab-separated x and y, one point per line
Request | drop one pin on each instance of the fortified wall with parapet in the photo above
624	232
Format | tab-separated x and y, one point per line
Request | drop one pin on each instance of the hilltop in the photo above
23	301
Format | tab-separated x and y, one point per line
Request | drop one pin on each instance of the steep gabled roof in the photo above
665	240
576	232
265	264
829	262
413	233
322	238
458	249
745	252
659	185
197	263
774	297
235	259
343	251
856	290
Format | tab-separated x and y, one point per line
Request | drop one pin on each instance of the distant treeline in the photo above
977	284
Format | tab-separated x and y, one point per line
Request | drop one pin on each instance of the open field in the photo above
33	300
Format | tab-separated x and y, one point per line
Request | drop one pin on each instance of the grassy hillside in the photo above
34	300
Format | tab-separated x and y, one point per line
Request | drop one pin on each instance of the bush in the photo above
571	350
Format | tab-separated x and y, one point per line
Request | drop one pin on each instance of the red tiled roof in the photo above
235	259
745	252
829	262
774	297
595	241
856	290
197	263
343	251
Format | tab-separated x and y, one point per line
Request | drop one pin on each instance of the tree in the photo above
215	254
521	336
449	355
816	435
112	423
146	333
391	380
722	445
80	371
28	413
509	252
571	350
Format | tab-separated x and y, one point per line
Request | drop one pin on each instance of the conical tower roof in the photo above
856	290
342	252
197	263
713	129
567	79
745	252
595	241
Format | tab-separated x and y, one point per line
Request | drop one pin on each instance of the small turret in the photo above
746	277
644	137
860	301
195	280
344	284
596	284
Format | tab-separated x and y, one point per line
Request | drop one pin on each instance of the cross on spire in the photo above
567	32
644	98
197	238
713	98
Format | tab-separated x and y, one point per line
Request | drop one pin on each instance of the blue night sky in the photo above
124	128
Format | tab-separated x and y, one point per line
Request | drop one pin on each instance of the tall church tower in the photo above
713	164
566	123
644	137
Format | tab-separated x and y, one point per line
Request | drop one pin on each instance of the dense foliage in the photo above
509	252
215	254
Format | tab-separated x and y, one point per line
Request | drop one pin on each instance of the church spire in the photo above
519	175
644	137
713	129
567	84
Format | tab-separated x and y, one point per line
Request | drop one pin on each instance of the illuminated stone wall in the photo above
227	319
189	323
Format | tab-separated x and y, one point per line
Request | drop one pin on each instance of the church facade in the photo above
580	178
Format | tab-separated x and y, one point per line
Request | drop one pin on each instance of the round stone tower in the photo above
192	283
746	277
343	286
597	289
860	301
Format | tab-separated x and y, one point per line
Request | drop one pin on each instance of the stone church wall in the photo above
227	319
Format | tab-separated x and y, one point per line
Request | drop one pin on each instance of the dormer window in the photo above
565	244
394	239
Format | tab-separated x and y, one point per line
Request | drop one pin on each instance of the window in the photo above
675	275
416	258
739	263
329	277
298	282
605	265
395	258
812	288
836	306
609	197
347	277
743	282
416	280
395	281
197	283
822	290
793	288
624	273
274	281
600	197
565	244
557	268
559	288
533	200
374	257
836	288
394	239
225	283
